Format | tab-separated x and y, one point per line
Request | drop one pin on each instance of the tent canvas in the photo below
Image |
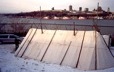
87	50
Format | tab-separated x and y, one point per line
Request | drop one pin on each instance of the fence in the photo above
22	28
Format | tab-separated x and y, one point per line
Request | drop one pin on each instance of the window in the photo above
112	42
3	36
12	36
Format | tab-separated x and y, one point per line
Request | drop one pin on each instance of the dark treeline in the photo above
61	13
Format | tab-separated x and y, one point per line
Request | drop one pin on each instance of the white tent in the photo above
86	50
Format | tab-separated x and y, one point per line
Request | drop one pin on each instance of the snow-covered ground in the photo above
10	63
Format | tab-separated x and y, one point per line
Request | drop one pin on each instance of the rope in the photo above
48	47
97	29
29	43
80	50
65	53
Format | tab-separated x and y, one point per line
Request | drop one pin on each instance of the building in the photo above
80	9
70	8
53	8
86	9
99	8
108	10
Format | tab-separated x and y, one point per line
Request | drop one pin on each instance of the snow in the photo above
10	63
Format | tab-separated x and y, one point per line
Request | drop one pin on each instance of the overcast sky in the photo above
15	6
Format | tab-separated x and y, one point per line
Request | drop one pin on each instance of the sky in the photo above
16	6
